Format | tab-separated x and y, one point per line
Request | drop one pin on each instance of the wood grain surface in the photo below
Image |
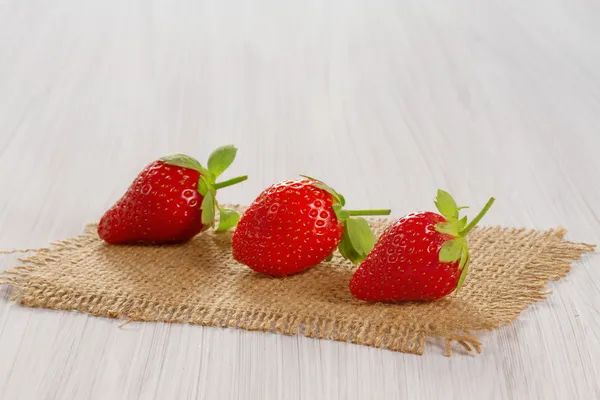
384	100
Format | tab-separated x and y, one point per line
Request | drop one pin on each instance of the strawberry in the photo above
171	200
422	256
294	225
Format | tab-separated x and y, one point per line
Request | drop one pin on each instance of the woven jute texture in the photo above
200	283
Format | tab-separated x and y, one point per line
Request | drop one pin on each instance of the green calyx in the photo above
218	162
456	249
358	239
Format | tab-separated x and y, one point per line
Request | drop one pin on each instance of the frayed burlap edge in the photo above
551	265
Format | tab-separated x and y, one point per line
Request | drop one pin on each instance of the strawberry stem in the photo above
230	182
477	217
356	213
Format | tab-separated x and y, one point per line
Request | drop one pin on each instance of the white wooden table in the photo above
384	100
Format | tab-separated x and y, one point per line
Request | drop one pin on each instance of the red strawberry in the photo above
171	200
422	256
295	225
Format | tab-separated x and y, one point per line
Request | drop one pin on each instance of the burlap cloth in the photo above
200	283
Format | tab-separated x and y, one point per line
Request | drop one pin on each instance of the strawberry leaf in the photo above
227	219
446	205
209	176
221	159
181	160
208	209
462	223
360	235
337	198
357	240
347	250
464	256
450	228
340	213
451	250
463	273
329	257
456	249
311	178
203	185
463	265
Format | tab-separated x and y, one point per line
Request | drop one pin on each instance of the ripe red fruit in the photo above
422	256
171	200
294	225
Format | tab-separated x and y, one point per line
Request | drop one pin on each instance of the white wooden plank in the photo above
386	101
